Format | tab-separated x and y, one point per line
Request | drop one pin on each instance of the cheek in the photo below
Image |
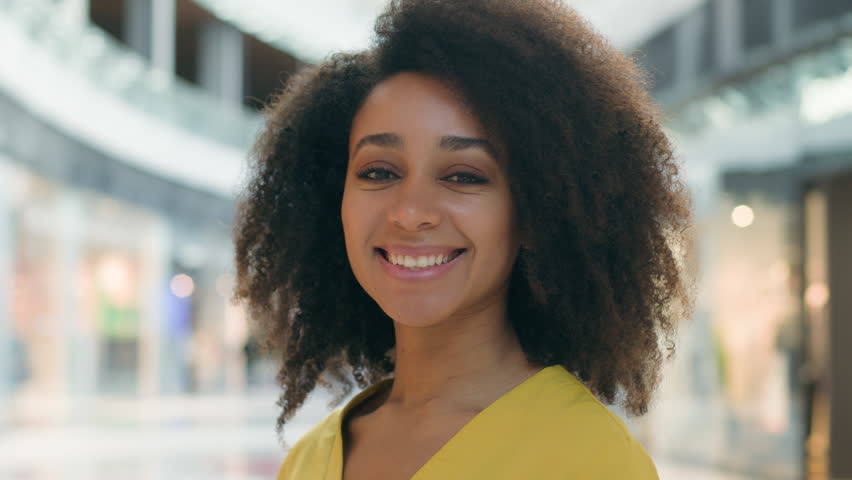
497	223
500	236
503	233
356	218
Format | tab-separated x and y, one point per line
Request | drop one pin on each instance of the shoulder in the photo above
576	431
601	445
311	456
312	450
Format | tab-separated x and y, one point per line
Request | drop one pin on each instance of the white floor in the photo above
669	471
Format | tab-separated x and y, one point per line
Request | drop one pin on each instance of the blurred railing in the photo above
310	30
727	58
817	83
92	53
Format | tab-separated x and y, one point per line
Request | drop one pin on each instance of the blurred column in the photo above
76	357
137	18
817	336
840	326
156	256
7	249
164	15
150	30
828	270
687	47
220	67
782	22
729	34
75	12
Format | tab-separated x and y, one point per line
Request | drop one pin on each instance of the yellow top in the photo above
548	427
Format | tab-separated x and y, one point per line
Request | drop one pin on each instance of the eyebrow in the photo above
391	140
451	143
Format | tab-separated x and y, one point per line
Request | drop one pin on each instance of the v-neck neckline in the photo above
335	471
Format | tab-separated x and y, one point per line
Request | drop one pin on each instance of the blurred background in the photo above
124	129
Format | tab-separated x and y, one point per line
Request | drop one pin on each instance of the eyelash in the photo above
473	179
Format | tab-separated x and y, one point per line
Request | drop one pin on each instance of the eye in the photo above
466	178
376	174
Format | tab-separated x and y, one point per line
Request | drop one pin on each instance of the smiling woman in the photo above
474	220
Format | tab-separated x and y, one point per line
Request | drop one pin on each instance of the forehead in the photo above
413	104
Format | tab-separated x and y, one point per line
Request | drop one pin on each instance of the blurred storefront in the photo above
117	201
827	270
109	297
759	96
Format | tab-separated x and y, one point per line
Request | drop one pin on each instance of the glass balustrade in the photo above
113	68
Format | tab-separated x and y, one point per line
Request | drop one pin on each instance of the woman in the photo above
475	220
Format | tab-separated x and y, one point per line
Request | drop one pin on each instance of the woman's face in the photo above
423	186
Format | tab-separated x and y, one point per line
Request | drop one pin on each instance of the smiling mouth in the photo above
455	254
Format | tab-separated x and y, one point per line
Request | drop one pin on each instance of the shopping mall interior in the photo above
125	127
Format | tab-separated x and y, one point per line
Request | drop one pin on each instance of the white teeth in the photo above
418	262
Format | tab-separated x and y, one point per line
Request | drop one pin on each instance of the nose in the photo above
416	206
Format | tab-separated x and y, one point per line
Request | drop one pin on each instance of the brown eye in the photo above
466	178
376	174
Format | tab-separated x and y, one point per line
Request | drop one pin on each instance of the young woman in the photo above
476	220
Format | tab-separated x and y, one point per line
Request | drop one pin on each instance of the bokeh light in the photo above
816	295
742	216
182	285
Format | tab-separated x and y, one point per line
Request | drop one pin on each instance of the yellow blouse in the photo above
548	427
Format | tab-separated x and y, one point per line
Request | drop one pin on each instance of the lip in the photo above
422	274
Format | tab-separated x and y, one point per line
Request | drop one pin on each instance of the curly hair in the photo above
597	285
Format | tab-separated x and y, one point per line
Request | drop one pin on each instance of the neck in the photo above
458	363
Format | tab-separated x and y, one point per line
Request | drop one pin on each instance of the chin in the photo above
416	314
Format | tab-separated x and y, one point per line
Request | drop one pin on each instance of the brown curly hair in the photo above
597	285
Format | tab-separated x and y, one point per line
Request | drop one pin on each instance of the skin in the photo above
456	352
